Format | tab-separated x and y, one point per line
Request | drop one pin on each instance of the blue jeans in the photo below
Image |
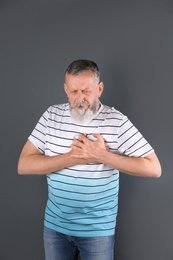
62	247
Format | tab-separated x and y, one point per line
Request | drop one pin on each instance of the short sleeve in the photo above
130	141
38	135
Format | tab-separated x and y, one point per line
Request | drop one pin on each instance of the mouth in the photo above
83	106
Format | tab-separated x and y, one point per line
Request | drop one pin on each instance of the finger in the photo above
98	137
107	147
82	138
78	142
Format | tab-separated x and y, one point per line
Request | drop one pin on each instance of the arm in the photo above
32	161
148	166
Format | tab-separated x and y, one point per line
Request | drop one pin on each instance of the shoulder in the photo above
56	110
58	107
112	112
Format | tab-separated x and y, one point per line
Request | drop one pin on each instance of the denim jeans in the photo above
62	247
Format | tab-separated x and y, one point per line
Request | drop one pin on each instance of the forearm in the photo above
97	152
38	164
148	166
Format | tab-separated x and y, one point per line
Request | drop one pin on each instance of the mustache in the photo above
83	104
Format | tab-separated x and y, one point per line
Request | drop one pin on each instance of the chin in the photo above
82	115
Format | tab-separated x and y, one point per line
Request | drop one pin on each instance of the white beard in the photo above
83	115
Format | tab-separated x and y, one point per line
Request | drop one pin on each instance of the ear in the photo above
101	87
65	88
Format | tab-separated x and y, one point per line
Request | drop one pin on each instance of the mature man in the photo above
81	146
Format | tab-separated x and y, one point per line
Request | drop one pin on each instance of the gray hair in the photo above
79	66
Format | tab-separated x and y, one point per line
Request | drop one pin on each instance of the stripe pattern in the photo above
83	199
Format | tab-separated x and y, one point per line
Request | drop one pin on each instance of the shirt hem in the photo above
81	233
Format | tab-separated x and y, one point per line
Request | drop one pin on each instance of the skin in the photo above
85	88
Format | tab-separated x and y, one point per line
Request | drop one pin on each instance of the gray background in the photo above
132	42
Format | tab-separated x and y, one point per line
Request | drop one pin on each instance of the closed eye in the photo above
86	91
74	91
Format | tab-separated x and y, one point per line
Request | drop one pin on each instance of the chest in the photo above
61	132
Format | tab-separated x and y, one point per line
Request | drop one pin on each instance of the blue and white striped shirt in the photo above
83	199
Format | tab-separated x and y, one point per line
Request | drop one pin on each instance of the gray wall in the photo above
132	42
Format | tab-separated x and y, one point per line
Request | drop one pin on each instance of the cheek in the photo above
95	97
70	98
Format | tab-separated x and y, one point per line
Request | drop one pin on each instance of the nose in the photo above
80	97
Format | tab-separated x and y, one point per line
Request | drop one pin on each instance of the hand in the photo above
91	151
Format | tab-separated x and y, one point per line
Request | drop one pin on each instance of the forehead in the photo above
84	79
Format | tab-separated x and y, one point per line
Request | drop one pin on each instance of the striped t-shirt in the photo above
83	199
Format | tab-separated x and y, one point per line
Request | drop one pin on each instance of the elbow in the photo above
154	166
157	172
20	169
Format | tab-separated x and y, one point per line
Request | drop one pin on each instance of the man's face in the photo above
83	92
